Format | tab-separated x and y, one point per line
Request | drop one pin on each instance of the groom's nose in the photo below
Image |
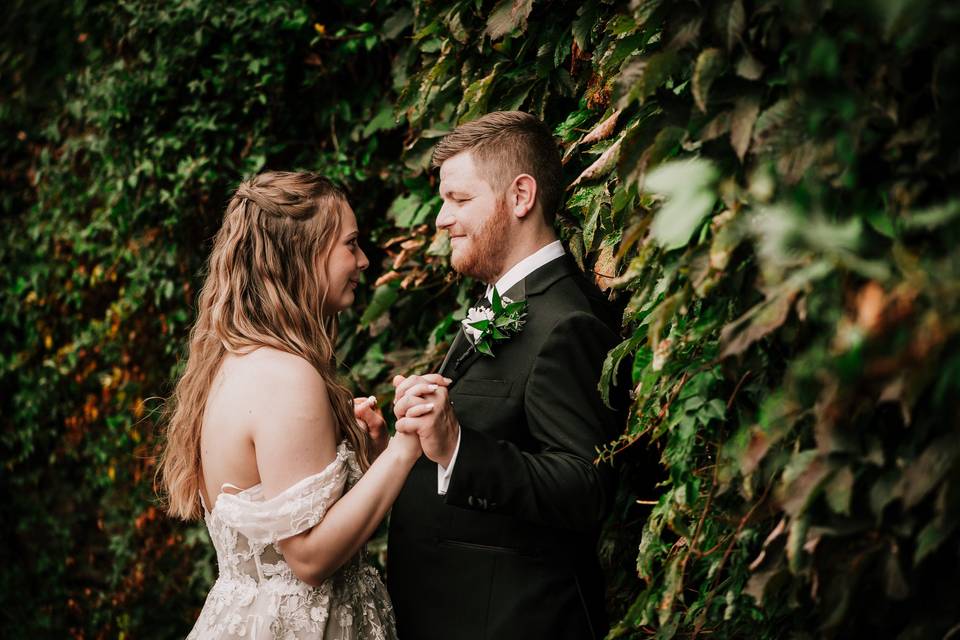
444	218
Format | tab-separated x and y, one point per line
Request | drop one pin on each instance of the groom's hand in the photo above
422	406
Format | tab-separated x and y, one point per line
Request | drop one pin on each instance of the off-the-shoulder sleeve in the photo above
292	511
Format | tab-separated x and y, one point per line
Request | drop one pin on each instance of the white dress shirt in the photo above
515	274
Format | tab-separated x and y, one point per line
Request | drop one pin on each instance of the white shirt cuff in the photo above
443	474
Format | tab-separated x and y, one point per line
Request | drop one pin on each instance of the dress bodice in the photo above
257	595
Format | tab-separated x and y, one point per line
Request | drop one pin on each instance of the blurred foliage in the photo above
769	187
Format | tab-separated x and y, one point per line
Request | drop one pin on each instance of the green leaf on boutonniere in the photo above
484	326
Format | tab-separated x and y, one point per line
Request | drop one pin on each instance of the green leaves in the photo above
486	326
688	187
641	76
794	356
508	16
410	210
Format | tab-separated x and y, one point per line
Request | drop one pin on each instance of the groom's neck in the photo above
522	249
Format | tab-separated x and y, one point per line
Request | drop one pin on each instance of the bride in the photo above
262	440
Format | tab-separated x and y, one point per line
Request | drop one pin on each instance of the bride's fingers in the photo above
419	410
405	384
408	425
430	378
416	395
366	410
421	390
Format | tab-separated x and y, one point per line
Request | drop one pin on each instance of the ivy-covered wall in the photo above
769	187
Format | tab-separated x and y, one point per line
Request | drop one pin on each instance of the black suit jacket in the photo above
510	550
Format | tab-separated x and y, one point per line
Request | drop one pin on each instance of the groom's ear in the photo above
522	195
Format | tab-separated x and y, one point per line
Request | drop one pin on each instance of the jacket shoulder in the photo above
575	295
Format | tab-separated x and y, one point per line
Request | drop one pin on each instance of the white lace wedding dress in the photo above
257	596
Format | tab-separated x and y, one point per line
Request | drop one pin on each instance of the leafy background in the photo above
769	187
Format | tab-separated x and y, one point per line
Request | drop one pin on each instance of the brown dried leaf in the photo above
709	65
507	16
926	471
603	130
755	324
870	302
641	76
389	276
755	450
412	244
601	166
394	240
796	492
736	20
745	112
401	258
795	161
605	268
687	33
716	127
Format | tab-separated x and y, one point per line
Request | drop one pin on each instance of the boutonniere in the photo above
503	319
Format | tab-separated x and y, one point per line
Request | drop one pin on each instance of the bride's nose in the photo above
363	262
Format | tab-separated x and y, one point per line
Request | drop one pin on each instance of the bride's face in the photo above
346	262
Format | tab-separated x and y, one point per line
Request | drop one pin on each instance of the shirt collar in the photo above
525	267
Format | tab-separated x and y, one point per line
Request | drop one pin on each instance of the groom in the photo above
494	534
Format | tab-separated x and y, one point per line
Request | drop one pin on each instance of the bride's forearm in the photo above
318	552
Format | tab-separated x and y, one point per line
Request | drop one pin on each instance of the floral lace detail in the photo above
258	596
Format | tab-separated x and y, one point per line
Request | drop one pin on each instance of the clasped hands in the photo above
422	407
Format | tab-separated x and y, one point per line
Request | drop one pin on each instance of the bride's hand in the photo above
371	420
407	446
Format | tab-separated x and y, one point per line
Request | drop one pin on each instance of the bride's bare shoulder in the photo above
266	367
269	380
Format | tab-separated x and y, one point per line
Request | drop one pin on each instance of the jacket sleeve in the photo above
558	485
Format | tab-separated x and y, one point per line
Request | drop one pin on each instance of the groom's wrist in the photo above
448	460
445	472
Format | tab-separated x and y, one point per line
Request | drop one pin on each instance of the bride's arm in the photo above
318	552
294	437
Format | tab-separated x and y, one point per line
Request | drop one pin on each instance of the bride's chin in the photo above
347	301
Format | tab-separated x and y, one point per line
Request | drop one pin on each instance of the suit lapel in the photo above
457	347
462	354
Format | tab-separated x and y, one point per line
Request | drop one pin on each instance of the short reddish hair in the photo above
505	144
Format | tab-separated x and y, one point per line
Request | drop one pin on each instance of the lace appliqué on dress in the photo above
257	595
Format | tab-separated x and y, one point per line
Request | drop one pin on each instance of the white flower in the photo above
476	314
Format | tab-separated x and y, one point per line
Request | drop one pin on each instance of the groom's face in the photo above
476	218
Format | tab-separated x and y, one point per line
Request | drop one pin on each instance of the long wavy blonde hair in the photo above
262	289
